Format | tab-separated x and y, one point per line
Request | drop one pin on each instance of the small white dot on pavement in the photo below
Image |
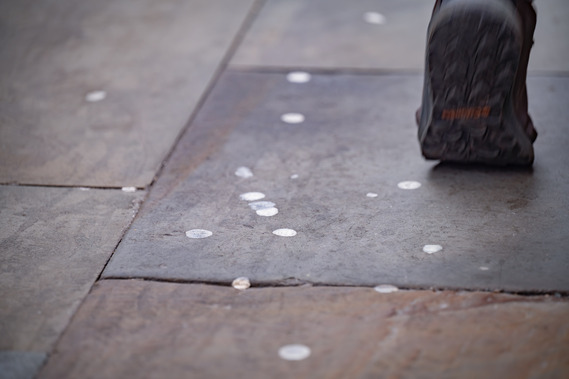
295	352
374	18
285	232
252	196
431	249
298	77
241	283
293	118
267	212
198	233
409	185
244	172
95	96
258	205
386	288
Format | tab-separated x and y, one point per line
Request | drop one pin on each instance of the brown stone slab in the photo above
333	34
499	228
54	244
148	329
153	59
20	365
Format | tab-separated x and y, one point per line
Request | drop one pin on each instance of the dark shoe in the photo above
528	19
474	105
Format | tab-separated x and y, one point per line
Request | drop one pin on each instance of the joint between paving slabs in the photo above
239	68
64	186
253	12
294	282
244	68
222	67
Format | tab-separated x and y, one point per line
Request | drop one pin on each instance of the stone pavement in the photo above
128	127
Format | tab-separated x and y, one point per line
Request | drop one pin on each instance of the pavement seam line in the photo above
359	71
221	68
557	294
235	43
63	186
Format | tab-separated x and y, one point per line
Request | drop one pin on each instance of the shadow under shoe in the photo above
473	108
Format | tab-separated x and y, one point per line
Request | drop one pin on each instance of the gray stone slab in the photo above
54	243
20	365
333	34
551	50
499	228
153	59
134	329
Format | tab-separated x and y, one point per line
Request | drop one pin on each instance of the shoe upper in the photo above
528	18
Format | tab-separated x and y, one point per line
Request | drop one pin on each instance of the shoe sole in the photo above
473	55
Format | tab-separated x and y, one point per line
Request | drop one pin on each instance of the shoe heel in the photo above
473	55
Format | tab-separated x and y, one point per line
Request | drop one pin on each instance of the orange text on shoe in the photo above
466	113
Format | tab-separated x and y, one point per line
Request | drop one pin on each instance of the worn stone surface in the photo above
333	34
20	365
359	137
148	329
54	244
550	52
153	59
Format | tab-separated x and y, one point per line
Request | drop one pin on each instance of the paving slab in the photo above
551	50
133	328
498	228
334	34
95	93
20	365
54	243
